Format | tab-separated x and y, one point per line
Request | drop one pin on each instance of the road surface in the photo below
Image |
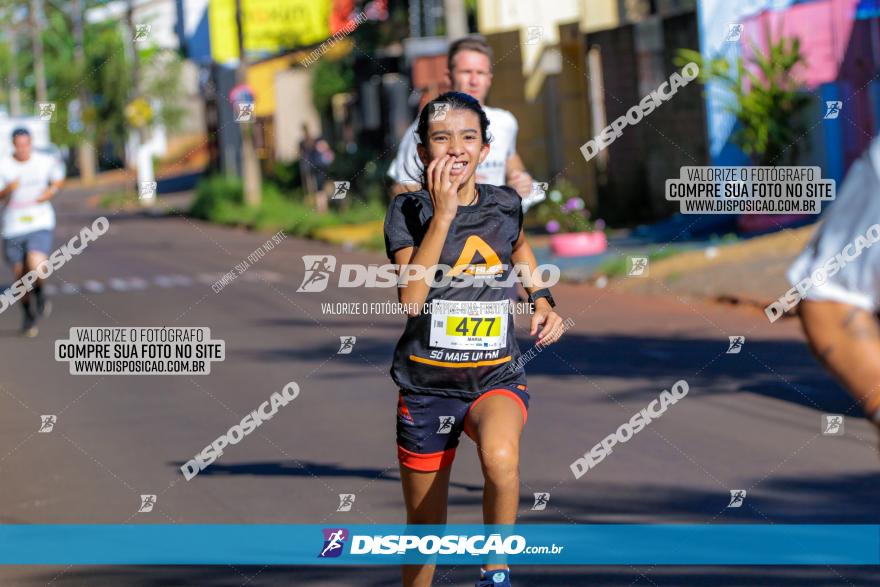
750	421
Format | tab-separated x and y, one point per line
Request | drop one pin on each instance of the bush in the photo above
220	199
216	195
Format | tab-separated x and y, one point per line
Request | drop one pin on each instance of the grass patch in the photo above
619	266
220	199
118	200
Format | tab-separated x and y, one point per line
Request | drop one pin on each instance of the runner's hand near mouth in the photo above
443	190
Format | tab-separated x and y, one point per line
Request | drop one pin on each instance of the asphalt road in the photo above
751	420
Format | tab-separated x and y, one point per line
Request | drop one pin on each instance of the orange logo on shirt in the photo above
465	264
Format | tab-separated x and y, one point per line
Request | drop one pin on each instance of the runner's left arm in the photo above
552	329
56	180
50	191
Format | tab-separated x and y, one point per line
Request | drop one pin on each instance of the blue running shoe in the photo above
495	579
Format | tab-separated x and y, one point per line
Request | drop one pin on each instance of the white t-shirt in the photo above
407	168
844	240
21	215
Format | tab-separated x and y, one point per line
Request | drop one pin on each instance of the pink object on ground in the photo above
749	223
578	244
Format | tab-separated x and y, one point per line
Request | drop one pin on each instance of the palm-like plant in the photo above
766	98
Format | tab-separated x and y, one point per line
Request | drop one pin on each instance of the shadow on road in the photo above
793	499
275	576
309	469
781	369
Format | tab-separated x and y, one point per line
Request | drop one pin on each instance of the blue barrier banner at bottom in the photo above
524	544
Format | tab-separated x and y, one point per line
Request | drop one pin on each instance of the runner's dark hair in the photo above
456	101
20	132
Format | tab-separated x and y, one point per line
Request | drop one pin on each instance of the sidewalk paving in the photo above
745	272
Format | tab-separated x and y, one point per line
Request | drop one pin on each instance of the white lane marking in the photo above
93	286
126	284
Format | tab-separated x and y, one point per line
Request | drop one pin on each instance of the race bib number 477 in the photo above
469	325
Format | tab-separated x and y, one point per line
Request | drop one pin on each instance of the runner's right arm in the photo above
10	187
413	292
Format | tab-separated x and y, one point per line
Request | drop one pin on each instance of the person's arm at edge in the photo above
517	177
846	341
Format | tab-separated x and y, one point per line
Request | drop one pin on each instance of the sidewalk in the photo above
745	272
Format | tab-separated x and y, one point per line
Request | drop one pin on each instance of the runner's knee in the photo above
500	459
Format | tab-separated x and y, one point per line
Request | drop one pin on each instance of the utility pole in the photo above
86	149
250	165
36	26
456	19
14	91
144	155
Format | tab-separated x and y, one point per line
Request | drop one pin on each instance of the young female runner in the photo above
457	364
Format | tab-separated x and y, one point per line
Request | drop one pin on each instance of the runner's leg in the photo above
425	494
496	424
34	258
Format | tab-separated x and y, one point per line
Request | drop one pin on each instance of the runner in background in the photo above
30	180
470	72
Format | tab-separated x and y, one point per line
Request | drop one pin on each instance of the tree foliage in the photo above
767	99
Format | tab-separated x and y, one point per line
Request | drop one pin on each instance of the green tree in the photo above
767	99
104	75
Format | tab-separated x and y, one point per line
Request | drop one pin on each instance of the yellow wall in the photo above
261	76
597	15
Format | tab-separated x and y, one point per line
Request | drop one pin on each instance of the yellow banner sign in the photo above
270	26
